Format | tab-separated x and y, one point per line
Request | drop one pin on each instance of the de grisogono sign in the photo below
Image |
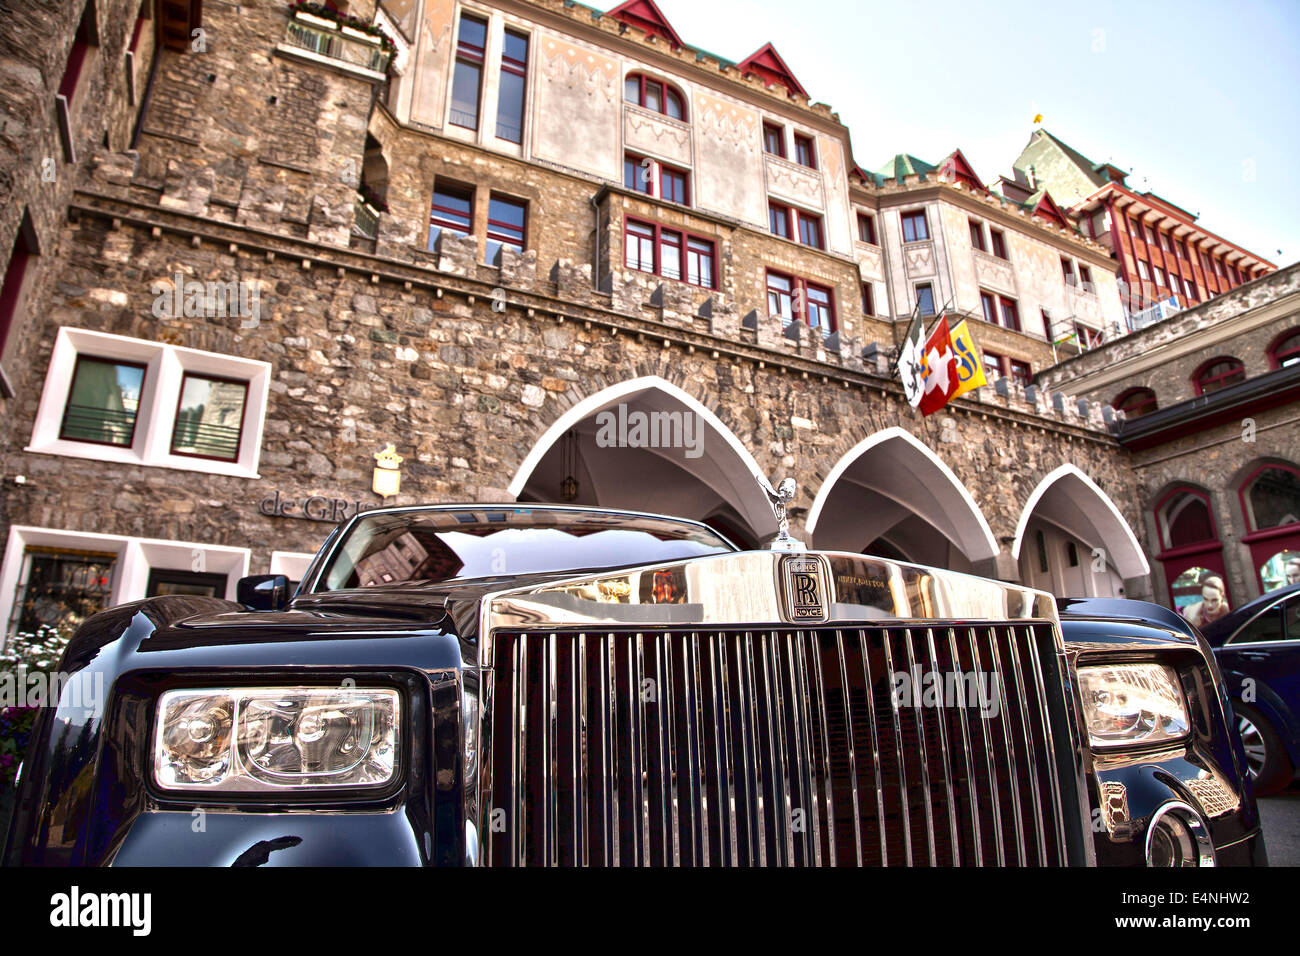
312	507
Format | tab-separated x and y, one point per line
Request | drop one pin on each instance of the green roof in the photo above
905	164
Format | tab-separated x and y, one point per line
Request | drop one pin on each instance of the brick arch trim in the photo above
1101	513
979	543
602	398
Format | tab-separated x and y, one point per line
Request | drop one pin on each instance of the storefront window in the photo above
1200	596
1271	500
185	582
1281	569
61	588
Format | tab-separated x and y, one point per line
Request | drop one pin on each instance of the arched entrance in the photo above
1270	502
891	495
648	445
1071	540
1191	552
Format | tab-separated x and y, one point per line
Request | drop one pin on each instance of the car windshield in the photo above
425	547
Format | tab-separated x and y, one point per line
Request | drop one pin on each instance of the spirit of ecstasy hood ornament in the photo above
780	497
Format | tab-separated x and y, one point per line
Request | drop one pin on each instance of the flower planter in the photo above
360	35
312	20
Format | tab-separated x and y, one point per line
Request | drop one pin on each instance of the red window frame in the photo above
514	67
243	414
1248	512
989	306
72	384
997	243
504	232
1234	372
810	229
472	55
1009	313
1021	372
1136	401
451	218
1164	525
1085	276
691	252
645	234
698	252
636	90
928	287
867	228
977	235
995	363
782	214
1266	542
1088	337
915	222
655	184
800	291
868	299
805	151
1193	295
1067	270
774	134
1285	349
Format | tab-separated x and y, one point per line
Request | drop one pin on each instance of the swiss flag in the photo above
939	365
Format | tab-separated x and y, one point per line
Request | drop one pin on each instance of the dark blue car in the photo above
1258	647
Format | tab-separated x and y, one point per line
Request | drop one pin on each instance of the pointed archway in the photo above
1073	541
893	496
647	444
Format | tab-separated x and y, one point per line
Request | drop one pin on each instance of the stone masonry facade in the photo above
240	163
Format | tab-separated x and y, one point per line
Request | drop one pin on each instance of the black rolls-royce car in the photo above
538	685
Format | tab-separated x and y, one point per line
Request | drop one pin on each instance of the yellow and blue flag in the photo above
970	364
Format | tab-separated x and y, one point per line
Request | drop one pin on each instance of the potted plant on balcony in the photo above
324	17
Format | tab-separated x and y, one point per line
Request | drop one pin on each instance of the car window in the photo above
1266	627
423	547
1291	619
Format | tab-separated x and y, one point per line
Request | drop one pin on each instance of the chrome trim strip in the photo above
970	765
1030	749
942	715
909	640
1049	742
1012	774
898	752
851	746
875	746
999	838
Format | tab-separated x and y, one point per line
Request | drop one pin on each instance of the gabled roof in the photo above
904	165
644	15
961	170
1042	204
767	64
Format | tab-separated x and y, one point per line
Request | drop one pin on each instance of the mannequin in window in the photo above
1212	605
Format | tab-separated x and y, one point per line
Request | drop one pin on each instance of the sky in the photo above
1201	100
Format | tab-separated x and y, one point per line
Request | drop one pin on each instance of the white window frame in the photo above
166	366
292	564
136	557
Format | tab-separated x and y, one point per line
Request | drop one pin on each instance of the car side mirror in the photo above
263	592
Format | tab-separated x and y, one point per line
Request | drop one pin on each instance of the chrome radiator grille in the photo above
777	747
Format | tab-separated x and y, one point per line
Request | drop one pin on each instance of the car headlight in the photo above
258	739
1132	704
